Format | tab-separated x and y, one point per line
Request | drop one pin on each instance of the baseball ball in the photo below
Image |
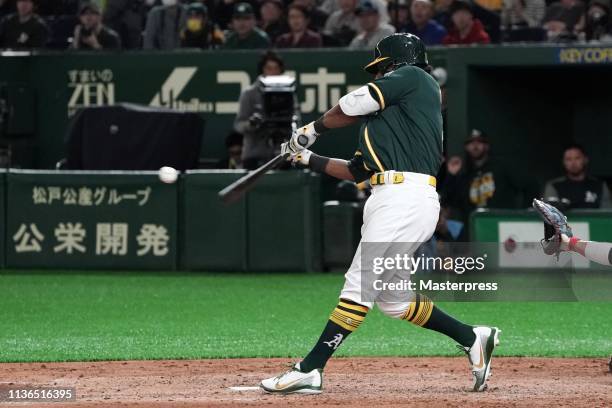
168	174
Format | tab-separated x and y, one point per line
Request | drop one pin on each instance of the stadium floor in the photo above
63	328
358	382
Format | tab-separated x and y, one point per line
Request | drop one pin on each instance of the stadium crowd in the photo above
233	24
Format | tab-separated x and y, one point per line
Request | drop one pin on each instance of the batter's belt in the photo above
399	177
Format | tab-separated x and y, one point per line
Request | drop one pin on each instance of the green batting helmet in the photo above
398	49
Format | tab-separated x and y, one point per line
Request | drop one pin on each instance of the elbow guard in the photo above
358	103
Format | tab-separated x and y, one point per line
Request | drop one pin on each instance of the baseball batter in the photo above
399	151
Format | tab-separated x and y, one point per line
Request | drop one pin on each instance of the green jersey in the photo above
257	39
406	134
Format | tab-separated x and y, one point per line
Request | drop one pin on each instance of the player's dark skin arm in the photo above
338	168
335	118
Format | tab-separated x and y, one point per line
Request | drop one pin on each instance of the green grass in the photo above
50	316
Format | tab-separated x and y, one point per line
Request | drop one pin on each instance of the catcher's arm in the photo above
558	236
600	252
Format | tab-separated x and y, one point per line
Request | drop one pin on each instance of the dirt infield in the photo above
358	382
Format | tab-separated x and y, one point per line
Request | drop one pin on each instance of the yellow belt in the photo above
398	178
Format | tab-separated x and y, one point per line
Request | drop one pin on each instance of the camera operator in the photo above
261	138
127	18
90	34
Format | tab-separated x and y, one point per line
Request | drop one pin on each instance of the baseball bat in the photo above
238	188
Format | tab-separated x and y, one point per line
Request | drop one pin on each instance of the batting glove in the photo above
303	137
300	157
287	151
303	157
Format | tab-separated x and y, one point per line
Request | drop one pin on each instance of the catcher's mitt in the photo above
555	225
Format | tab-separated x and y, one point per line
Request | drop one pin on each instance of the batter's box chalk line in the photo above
244	388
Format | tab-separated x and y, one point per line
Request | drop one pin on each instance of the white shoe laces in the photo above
292	365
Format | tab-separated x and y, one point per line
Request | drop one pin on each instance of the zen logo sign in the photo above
320	90
90	88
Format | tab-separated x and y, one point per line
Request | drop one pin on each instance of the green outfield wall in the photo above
531	100
90	220
3	218
123	220
276	227
214	235
205	82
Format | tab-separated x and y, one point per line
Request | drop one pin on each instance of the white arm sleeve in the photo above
600	252
358	103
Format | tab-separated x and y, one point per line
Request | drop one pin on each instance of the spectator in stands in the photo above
343	24
126	18
442	13
244	34
23	29
6	7
491	5
223	11
317	16
465	29
598	22
273	19
233	144
249	120
479	182
490	20
91	34
518	14
564	19
422	25
53	7
299	35
199	32
372	29
164	26
399	12
330	6
577	186
447	229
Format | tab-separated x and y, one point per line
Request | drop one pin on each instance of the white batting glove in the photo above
301	157
303	137
288	151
